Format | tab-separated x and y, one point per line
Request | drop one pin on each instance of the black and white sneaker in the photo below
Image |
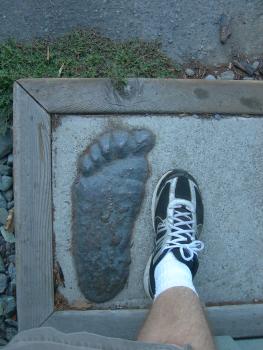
177	215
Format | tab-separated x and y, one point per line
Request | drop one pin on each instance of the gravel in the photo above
10	333
3	216
11	271
11	289
8	324
5	169
2	264
2	201
6	144
3	282
7	306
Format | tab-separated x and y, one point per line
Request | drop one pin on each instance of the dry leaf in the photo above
58	275
60	70
48	54
81	305
9	225
61	302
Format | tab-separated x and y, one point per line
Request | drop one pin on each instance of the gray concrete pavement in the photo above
187	29
225	156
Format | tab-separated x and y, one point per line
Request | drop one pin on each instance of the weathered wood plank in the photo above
239	321
225	342
250	344
111	323
161	96
33	210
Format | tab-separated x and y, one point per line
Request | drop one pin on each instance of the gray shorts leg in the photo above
46	338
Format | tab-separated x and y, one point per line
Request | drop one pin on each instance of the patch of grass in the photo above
79	54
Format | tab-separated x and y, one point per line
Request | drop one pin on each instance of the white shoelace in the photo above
176	236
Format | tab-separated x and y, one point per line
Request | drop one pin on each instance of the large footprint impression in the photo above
106	199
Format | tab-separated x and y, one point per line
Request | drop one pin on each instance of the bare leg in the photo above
176	317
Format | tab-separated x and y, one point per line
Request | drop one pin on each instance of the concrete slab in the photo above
225	156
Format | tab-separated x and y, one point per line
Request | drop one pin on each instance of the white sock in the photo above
170	272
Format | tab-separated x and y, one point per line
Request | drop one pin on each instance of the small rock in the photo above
10	333
11	258
5	183
12	271
189	72
9	195
248	78
6	144
255	65
227	75
5	170
10	205
2	201
8	236
225	28
210	77
3	215
10	248
3	282
2	247
7	305
10	159
2	265
245	67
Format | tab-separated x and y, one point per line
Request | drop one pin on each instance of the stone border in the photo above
36	103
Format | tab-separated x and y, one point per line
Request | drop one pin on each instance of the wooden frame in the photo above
36	102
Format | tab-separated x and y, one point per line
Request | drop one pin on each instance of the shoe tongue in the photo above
183	209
